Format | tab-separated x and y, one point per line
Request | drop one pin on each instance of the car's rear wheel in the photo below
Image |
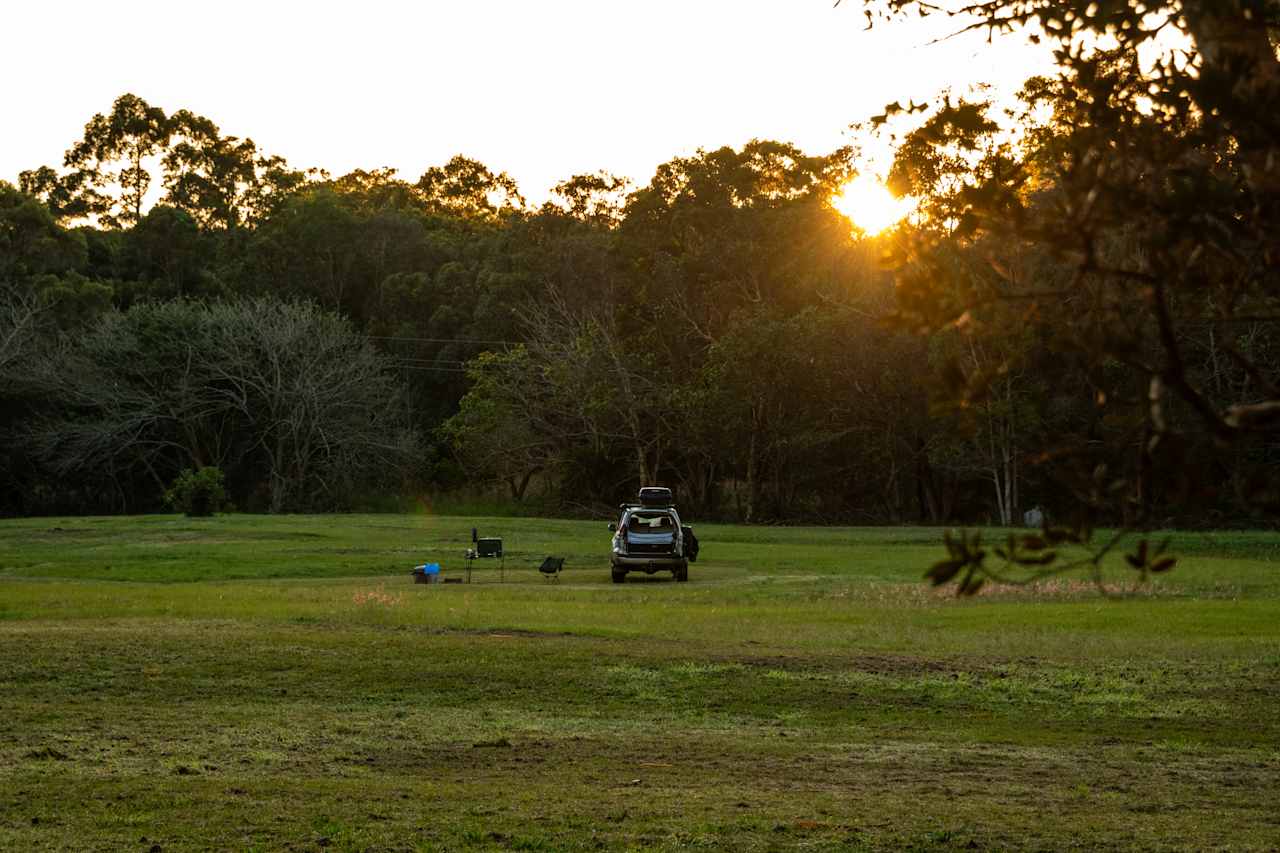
681	572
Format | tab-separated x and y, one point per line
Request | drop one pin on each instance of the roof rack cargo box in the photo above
655	496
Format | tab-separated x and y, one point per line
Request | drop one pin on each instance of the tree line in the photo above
721	329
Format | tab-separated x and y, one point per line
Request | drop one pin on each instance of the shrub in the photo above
198	493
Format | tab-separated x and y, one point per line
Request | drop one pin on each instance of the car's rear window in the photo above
650	522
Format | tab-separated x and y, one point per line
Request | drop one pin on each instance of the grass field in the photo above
268	683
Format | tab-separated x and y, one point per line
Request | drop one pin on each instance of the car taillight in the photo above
622	531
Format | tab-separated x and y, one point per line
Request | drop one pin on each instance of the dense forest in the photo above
173	298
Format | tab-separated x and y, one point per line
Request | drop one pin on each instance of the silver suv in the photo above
650	539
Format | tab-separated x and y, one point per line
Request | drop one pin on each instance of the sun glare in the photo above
869	205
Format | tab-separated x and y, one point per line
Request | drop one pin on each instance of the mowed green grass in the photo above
272	683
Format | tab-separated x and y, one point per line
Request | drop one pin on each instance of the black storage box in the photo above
655	496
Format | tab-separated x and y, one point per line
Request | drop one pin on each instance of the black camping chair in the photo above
551	567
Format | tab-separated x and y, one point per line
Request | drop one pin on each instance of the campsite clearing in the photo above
270	682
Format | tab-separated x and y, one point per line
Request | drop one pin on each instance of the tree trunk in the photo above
926	488
642	465
518	488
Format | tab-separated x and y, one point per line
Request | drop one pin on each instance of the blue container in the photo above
431	569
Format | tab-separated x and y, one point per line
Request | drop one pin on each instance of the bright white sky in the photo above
541	90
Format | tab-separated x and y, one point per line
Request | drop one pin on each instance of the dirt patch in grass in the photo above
883	664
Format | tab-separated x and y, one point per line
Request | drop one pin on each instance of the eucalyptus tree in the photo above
467	188
724	229
597	198
115	152
206	174
69	196
224	182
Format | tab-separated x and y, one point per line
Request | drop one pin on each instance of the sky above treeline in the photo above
540	90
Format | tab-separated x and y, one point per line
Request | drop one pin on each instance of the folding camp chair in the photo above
551	567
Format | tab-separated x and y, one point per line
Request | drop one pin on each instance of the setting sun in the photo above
869	205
